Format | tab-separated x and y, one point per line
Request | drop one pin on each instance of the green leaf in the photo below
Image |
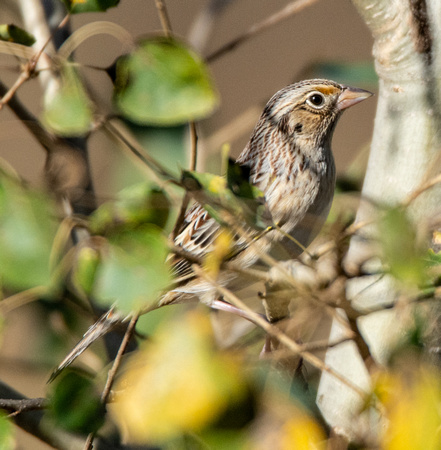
81	6
163	83
230	439
401	252
246	201
69	111
7	432
135	206
238	180
433	259
27	231
12	33
134	271
85	269
74	403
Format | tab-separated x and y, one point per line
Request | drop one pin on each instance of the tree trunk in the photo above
404	154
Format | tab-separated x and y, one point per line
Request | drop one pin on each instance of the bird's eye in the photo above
316	100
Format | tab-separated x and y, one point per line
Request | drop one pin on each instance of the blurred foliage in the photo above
134	206
411	397
27	231
222	249
81	6
85	270
163	83
180	389
12	33
68	112
7	433
176	383
133	272
168	145
402	252
221	195
180	385
75	404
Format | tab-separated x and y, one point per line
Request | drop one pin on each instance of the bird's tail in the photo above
102	326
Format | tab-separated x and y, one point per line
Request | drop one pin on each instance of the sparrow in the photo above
289	158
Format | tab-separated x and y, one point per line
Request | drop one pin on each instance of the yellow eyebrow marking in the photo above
327	90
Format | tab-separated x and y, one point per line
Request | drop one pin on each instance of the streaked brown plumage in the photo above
289	158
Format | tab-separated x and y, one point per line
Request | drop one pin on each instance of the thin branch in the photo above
29	69
26	73
31	421
423	188
17	406
278	334
164	18
316	346
122	136
433	293
114	369
166	26
193	146
289	10
288	278
324	344
186	198
29	120
22	298
92	29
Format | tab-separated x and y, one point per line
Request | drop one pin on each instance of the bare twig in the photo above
288	278
22	405
317	346
130	143
29	120
423	188
163	16
112	372
29	70
290	9
22	298
31	421
92	29
186	198
324	344
278	334
166	26
193	146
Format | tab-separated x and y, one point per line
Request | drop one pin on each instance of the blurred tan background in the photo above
329	30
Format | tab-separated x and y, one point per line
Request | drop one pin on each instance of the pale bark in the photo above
405	152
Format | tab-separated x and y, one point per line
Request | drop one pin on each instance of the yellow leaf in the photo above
302	433
175	383
217	185
412	405
221	250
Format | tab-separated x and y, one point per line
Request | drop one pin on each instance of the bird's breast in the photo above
299	203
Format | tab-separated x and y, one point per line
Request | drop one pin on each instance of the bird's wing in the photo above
197	235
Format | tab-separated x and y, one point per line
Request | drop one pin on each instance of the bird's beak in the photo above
351	96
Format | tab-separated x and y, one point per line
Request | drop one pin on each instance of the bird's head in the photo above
309	110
